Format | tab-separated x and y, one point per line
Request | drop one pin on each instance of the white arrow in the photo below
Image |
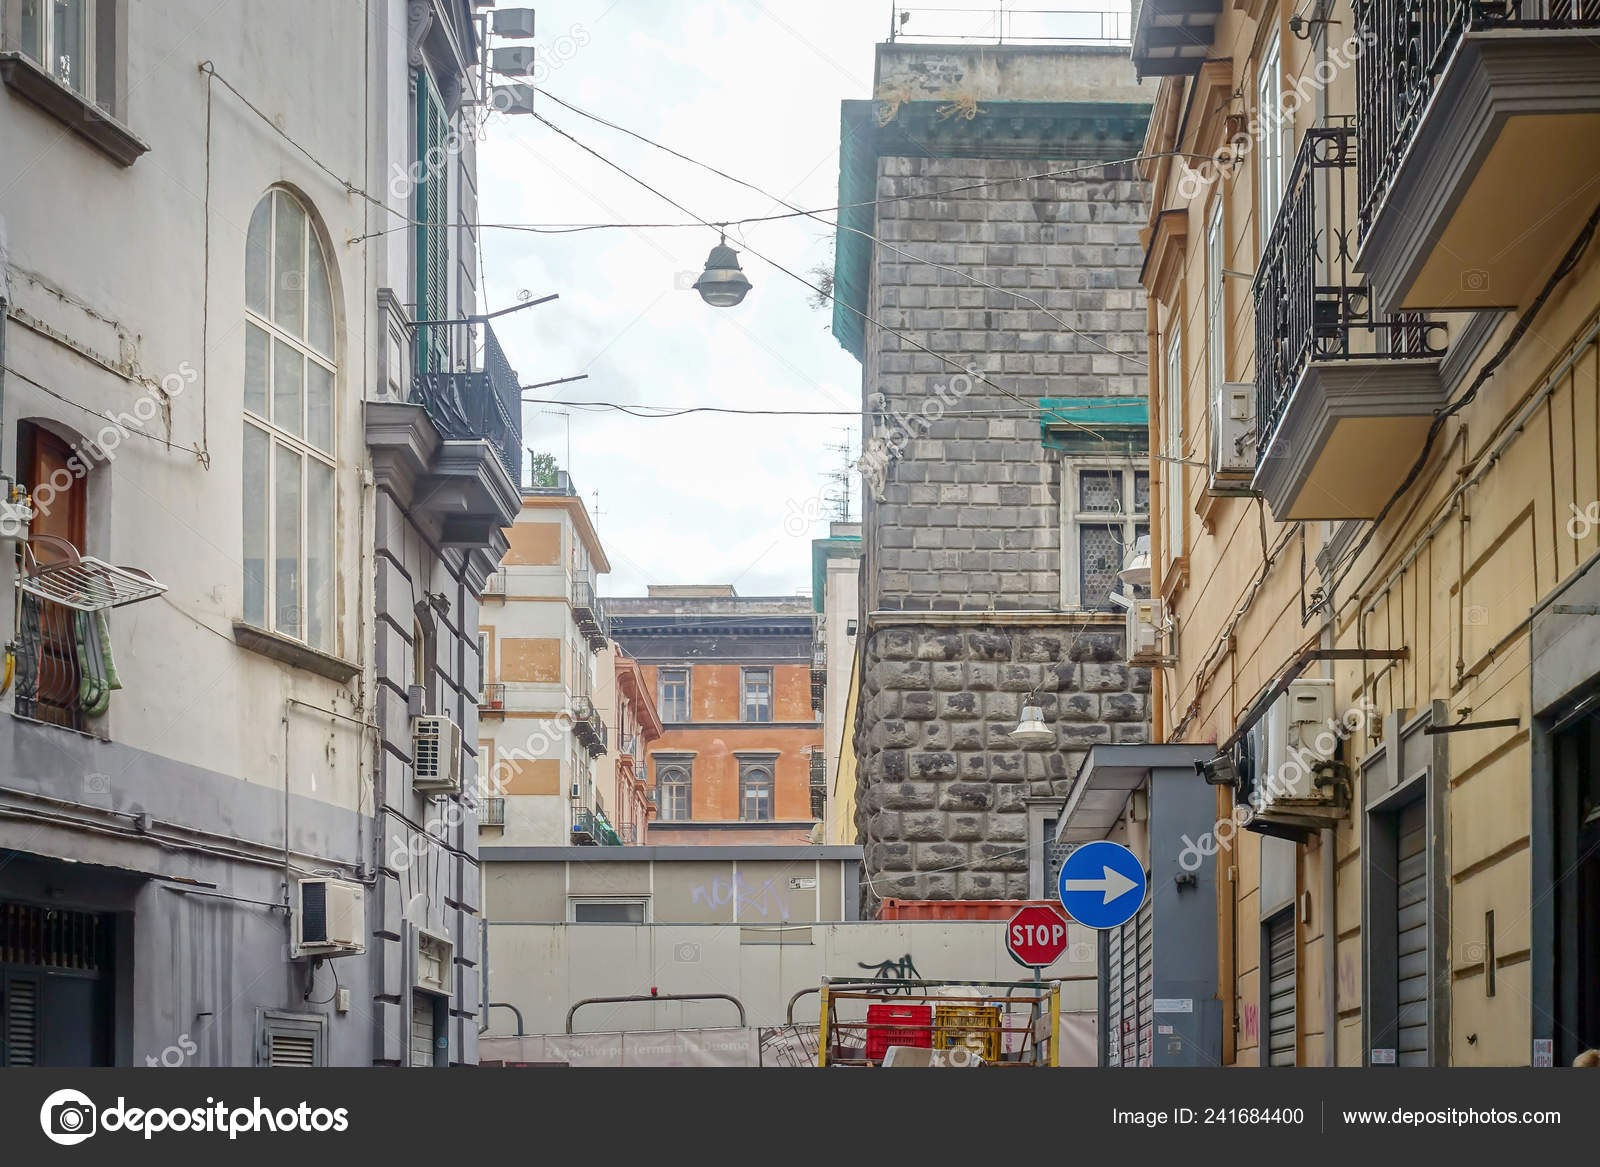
1114	885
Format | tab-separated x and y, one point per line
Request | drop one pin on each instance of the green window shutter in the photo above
432	248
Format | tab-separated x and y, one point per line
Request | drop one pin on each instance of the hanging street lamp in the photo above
722	284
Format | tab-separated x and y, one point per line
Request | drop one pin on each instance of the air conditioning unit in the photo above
512	97
1233	438
433	963
1146	624
513	23
1292	772
330	918
435	755
514	60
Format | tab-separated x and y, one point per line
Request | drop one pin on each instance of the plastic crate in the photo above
955	1025
889	1025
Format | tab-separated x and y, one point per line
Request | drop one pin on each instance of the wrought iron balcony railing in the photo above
1310	305
592	828
492	812
493	699
485	404
587	726
589	612
1408	43
819	784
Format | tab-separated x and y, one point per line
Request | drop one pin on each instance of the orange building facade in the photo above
731	679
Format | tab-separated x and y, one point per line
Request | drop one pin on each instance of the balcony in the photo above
1173	37
589	613
492	812
587	726
819	784
819	674
590	828
493	701
494	588
482	405
1344	394
1481	140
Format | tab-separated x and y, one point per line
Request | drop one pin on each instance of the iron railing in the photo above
495	585
1310	305
492	812
49	680
470	405
493	699
1408	43
587	726
593	828
1009	26
819	784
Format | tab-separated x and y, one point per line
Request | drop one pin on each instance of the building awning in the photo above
1087	424
1110	774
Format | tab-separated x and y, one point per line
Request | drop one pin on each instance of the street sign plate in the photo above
1036	936
1102	884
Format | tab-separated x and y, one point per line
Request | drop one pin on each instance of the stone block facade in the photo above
943	796
966	511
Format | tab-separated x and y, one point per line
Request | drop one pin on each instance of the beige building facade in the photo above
1374	387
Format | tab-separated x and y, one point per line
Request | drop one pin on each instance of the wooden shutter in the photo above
432	241
19	1021
1411	936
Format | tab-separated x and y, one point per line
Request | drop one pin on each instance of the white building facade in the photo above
213	376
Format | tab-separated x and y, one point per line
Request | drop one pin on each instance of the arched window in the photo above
289	415
756	794
672	783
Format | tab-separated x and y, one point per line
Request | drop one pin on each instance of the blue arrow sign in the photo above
1102	884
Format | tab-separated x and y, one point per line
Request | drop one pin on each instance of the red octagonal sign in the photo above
1037	936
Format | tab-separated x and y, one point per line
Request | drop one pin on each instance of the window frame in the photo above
268	427
664	767
760	674
1074	517
661	695
1216	298
1172	484
576	902
45	55
748	771
1273	156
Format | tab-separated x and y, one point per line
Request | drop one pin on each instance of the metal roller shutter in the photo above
1411	937
1130	991
1280	990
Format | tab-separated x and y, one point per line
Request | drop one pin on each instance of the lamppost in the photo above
723	284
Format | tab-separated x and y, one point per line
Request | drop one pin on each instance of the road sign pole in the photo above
1038	1009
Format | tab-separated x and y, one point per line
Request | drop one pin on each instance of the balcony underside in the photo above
1462	226
1348	436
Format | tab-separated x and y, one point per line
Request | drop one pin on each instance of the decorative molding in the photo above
292	652
1163	260
97	127
420	20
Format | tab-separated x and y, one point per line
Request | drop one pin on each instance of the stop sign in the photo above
1036	936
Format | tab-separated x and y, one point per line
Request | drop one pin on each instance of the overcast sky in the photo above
752	88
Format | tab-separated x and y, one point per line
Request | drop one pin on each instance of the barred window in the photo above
1105	508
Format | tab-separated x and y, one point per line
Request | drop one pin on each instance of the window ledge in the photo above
88	120
292	652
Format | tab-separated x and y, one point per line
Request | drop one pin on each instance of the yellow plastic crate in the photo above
957	1025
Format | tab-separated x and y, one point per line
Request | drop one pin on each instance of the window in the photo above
433	248
289	496
60	36
674	696
1216	322
1172	447
755	794
1107	508
757	694
607	911
1272	156
673	792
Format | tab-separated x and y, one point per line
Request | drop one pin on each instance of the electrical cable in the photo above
817	216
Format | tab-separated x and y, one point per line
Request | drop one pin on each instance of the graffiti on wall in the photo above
894	970
766	899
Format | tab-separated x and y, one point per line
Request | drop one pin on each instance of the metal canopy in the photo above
1109	775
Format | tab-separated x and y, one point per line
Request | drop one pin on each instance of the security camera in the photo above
1219	771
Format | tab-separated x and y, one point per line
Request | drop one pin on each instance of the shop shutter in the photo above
422	1030
19	1009
1411	940
1280	990
1130	991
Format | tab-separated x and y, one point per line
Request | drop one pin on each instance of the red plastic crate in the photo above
887	1026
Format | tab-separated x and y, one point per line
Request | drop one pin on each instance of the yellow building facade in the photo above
1374	385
